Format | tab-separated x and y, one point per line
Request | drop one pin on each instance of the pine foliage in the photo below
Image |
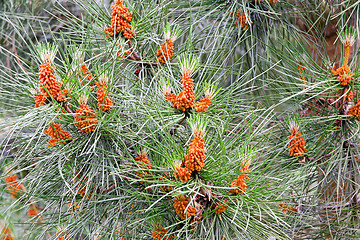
143	119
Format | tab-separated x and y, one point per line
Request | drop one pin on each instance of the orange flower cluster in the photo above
182	173
185	99
355	110
56	134
5	234
40	100
286	208
104	102
161	234
73	207
203	105
239	182
143	160
170	96
121	53
13	186
242	20
33	212
166	51
222	207
85	193
48	85
296	144
205	102
85	75
82	189
350	96
180	204
47	80
194	160
63	93
120	21
344	74
273	2
85	118
61	237
302	71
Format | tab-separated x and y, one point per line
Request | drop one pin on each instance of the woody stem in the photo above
66	107
173	131
136	56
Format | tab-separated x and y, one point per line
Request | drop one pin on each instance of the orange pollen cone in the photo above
48	83
182	174
120	21
239	182
203	105
161	234
104	102
85	75
344	74
195	159
296	144
186	98
166	51
242	20
56	134
143	161
355	110
181	204
85	118
222	207
40	100
13	186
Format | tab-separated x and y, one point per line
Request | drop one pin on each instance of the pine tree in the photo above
180	120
